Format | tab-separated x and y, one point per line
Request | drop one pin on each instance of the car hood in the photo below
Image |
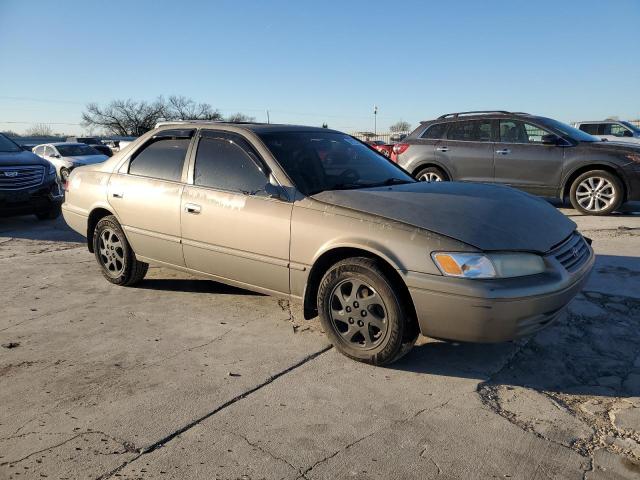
21	158
612	146
86	159
488	217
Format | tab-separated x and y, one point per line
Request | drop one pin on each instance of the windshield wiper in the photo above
388	182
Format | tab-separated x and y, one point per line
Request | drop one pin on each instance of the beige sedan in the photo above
316	215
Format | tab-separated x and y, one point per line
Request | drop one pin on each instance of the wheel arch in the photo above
430	163
576	172
333	255
97	214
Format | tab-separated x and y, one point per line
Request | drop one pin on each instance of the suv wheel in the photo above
596	193
114	254
362	314
431	174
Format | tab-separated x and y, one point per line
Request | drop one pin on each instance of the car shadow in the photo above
192	285
28	227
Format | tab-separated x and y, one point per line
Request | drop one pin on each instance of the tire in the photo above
371	324
54	212
596	192
431	174
114	254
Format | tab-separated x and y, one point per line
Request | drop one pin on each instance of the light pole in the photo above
375	120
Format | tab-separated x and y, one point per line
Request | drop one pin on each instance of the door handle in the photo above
504	151
192	208
117	195
442	149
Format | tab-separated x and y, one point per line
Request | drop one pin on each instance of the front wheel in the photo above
431	174
115	256
597	192
365	318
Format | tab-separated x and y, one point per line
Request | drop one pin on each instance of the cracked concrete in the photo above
108	382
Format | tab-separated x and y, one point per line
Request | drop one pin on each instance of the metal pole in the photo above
375	121
268	117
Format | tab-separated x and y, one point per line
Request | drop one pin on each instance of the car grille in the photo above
572	253
17	178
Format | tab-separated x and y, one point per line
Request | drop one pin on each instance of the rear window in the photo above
435	131
163	158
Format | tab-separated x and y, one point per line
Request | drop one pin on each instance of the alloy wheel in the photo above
430	177
358	314
111	252
595	194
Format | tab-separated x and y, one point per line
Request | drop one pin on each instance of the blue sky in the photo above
328	61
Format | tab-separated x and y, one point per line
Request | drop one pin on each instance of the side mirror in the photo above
550	139
275	191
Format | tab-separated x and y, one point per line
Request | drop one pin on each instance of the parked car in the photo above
66	156
315	215
380	146
94	142
27	183
612	130
536	154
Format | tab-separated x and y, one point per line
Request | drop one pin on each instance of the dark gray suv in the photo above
539	155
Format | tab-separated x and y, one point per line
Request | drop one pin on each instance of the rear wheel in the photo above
365	318
114	254
431	174
597	192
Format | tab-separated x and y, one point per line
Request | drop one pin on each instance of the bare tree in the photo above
133	118
400	126
240	117
39	130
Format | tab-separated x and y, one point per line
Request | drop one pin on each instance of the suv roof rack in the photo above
473	112
204	122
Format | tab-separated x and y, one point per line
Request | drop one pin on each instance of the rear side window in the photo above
162	158
224	162
471	131
435	131
590	128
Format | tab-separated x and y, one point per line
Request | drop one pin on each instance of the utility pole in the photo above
268	117
375	120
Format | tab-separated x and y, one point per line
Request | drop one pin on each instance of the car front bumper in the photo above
29	201
494	310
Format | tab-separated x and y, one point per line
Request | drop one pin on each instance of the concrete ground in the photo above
186	378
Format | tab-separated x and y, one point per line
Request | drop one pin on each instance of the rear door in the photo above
231	227
523	161
467	150
146	194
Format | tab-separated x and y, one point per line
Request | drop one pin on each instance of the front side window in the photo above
435	131
49	151
515	131
224	162
161	158
617	130
39	151
470	131
319	161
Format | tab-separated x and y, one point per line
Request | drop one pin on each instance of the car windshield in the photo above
7	145
89	140
569	131
319	161
633	127
76	150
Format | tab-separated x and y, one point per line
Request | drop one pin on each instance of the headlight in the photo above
490	265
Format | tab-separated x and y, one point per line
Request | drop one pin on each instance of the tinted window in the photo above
221	162
471	131
163	158
590	128
318	161
515	131
435	131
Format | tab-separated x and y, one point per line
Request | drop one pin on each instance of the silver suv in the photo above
612	130
537	154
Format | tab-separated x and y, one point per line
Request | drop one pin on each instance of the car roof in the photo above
254	127
67	143
475	115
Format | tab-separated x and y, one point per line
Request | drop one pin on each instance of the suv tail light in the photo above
399	148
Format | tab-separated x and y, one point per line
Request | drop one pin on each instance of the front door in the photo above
231	228
467	150
523	161
146	194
